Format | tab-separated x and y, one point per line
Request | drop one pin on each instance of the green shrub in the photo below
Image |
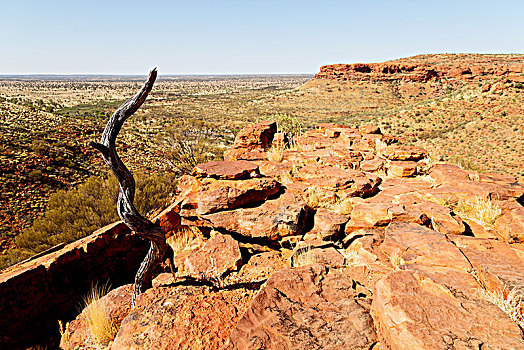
290	126
78	212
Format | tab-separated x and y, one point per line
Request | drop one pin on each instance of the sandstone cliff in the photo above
427	67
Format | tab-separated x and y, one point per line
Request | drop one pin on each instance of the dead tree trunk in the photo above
126	210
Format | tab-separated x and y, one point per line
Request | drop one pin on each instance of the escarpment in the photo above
348	240
423	68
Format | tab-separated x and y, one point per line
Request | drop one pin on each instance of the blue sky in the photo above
206	37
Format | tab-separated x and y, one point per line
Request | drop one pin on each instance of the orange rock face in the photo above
184	317
308	307
412	311
427	67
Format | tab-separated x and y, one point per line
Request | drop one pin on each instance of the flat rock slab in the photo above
263	265
352	182
416	244
372	165
442	219
327	225
404	153
412	311
219	255
310	307
402	169
227	170
273	220
183	317
231	194
499	266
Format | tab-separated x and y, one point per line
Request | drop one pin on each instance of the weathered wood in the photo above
125	207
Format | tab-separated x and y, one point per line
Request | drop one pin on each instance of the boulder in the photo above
256	136
404	153
310	307
402	169
412	311
231	194
219	255
182	317
49	287
369	129
327	225
227	170
273	220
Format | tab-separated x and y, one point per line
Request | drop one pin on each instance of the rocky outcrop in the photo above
427	67
350	242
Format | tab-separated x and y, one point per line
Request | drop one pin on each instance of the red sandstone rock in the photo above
261	266
404	153
448	173
510	225
372	165
183	317
412	311
351	182
48	288
227	170
402	169
308	307
499	267
219	255
442	219
327	225
256	136
232	194
169	219
369	129
274	219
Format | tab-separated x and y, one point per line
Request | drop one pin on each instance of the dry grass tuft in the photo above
185	240
396	259
352	258
65	341
306	257
510	303
342	206
481	210
275	154
380	146
316	197
102	328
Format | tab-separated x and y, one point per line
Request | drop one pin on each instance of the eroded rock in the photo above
309	307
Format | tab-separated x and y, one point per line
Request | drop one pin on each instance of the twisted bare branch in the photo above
125	207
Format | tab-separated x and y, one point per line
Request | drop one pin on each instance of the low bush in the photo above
76	213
